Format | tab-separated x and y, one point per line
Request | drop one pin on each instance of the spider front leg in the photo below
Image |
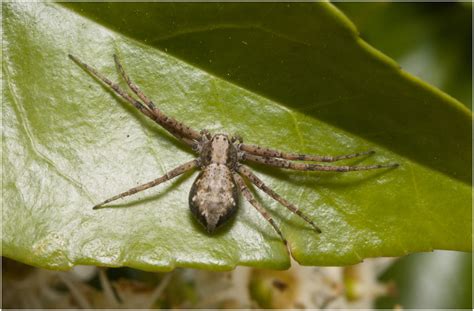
313	167
169	175
249	196
272	153
165	121
161	119
260	184
114	86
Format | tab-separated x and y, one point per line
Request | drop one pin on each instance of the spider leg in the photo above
144	109
313	167
113	85
132	86
165	121
260	184
249	196
169	175
272	153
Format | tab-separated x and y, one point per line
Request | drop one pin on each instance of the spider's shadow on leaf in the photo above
148	124
155	128
221	231
285	220
284	217
173	184
268	232
229	224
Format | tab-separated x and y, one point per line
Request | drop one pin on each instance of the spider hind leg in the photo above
260	184
249	196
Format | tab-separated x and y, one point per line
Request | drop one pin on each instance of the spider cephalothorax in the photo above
214	196
218	149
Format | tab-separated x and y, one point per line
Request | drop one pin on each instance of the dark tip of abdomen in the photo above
210	228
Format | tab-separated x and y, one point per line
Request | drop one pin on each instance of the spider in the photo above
214	195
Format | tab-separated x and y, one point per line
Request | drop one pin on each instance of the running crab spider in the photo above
214	195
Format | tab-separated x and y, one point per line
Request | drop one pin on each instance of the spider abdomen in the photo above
213	198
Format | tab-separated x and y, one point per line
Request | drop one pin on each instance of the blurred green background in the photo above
434	42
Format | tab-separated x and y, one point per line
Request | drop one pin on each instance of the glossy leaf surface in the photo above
69	142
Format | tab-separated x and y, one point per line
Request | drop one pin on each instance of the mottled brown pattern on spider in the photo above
214	195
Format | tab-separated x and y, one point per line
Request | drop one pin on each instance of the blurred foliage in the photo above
439	280
428	39
273	289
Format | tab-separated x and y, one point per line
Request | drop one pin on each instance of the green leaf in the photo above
290	76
